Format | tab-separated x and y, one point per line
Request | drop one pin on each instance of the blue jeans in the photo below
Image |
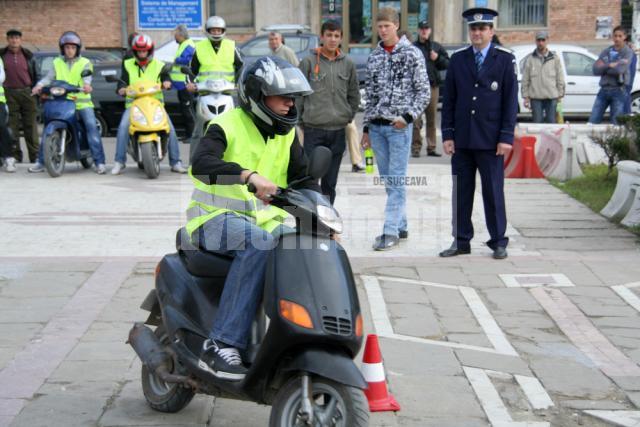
250	246
544	110
614	97
391	148
88	117
122	140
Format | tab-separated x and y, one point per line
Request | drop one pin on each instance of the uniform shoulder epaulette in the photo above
504	49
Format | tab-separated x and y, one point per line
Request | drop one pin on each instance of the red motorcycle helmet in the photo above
142	43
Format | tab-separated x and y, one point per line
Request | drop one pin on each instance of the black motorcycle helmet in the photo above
70	37
269	76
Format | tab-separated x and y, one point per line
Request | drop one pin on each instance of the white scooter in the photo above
214	98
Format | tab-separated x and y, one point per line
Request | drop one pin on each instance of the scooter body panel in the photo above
60	113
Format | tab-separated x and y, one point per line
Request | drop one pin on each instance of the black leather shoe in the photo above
403	234
433	154
415	154
454	251
499	253
356	168
385	242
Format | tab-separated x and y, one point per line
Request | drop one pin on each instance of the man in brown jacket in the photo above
542	81
20	69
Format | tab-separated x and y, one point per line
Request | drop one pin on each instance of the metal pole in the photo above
123	23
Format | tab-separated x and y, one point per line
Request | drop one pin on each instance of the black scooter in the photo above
304	336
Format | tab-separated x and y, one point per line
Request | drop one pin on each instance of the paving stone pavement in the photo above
465	342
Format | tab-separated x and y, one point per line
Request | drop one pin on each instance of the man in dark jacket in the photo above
20	69
437	60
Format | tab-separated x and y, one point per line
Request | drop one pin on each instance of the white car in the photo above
581	86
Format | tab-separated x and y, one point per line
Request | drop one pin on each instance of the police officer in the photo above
478	119
184	54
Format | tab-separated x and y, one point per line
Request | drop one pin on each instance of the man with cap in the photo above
542	81
437	59
478	120
184	54
20	69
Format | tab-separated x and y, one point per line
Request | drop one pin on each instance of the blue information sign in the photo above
166	14
481	3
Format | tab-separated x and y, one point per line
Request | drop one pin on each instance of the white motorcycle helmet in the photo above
215	22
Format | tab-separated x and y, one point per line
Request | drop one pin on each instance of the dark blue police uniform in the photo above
478	112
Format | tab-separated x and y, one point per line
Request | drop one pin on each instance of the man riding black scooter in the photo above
254	144
239	312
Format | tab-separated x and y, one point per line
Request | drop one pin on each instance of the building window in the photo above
236	13
522	13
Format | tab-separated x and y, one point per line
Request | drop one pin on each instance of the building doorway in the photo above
357	18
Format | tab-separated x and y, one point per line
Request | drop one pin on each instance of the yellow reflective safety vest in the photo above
151	74
2	97
215	66
246	147
176	74
73	77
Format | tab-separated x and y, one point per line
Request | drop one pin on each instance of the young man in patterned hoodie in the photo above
397	92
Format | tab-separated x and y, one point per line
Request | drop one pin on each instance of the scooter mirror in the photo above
319	162
186	70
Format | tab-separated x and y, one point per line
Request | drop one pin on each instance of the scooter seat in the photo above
200	262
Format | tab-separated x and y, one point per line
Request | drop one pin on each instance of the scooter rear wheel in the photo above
160	395
150	159
334	404
53	160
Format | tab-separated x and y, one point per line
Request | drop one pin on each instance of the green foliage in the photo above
620	142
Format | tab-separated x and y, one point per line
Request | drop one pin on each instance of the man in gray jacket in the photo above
613	67
542	81
333	104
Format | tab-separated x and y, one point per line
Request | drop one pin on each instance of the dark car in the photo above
298	38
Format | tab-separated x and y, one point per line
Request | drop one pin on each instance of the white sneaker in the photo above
101	169
118	168
178	168
10	164
36	168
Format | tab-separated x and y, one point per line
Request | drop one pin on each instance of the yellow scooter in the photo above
148	126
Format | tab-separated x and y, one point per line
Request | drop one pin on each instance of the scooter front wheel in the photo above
334	404
150	159
53	156
160	395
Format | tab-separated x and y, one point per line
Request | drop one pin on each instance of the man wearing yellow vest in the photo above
143	66
216	58
184	54
254	144
6	141
69	67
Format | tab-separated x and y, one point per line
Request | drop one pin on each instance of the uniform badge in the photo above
494	86
478	17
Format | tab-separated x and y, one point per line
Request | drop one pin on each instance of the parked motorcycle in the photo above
64	137
148	127
214	98
304	336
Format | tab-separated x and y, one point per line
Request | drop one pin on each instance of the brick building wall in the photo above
42	22
568	21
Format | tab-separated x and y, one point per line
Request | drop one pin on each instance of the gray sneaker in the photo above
178	168
117	168
101	169
10	164
36	168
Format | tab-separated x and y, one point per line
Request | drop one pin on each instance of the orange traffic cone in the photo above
373	372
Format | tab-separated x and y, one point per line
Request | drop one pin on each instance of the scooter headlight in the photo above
329	217
57	91
158	116
138	116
